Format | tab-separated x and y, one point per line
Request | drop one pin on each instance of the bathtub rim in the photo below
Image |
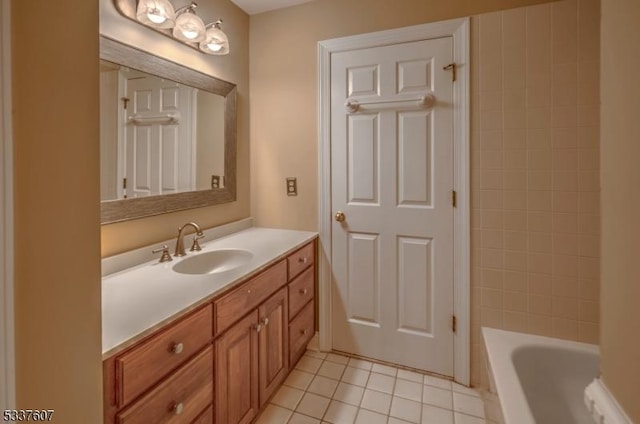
499	346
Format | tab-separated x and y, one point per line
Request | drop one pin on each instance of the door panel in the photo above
237	373
273	343
392	176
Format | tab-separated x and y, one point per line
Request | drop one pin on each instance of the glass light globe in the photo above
189	27
215	41
156	13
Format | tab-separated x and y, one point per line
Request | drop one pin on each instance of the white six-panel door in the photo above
158	156
392	177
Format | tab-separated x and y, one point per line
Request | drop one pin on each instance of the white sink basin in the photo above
213	262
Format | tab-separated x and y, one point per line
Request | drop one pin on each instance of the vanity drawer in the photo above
233	306
300	259
151	360
301	330
190	389
301	291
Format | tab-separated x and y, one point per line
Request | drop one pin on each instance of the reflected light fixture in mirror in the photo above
182	24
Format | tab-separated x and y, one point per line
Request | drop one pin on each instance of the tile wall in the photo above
535	172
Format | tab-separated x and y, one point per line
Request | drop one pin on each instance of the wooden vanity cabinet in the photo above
224	361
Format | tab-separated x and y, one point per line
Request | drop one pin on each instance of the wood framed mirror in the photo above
146	133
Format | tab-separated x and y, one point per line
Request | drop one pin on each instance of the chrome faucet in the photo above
180	241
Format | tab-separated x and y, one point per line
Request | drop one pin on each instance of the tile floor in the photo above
330	388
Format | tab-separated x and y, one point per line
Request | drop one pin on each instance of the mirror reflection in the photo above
157	136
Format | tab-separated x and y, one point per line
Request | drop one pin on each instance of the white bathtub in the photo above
540	380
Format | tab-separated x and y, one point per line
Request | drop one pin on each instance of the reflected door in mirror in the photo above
157	136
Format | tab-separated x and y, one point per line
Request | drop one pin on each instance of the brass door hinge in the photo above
451	67
125	101
124	183
454	324
454	198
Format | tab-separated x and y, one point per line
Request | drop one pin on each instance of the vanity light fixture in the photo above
189	27
215	41
182	24
156	13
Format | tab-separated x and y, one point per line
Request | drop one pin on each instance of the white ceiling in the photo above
258	6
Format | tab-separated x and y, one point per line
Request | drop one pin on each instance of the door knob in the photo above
339	216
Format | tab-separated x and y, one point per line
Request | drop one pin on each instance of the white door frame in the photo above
7	368
459	30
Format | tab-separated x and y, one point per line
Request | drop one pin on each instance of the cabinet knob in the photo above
177	408
303	291
248	291
265	321
303	260
177	348
304	332
258	328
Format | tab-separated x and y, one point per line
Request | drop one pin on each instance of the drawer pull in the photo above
177	408
258	328
303	292
265	321
177	348
303	260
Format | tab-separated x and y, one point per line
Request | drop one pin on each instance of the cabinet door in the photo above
273	343
237	372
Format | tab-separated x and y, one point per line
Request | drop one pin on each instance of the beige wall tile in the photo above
589	311
515	301
515	281
540	284
565	223
515	321
564	78
540	180
566	286
539	138
540	304
589	268
565	307
565	328
566	244
515	139
540	324
540	221
588	332
564	30
565	138
540	263
540	243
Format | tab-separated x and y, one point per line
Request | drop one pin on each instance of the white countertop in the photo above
139	299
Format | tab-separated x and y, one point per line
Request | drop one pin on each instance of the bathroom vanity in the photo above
200	346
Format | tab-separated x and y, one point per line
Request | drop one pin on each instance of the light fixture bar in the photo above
182	24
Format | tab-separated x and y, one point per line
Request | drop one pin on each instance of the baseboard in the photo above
603	406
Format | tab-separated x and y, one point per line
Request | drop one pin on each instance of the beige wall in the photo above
234	67
620	345
57	238
534	147
284	90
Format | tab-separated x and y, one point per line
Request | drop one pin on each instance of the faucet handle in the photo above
196	246
166	257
